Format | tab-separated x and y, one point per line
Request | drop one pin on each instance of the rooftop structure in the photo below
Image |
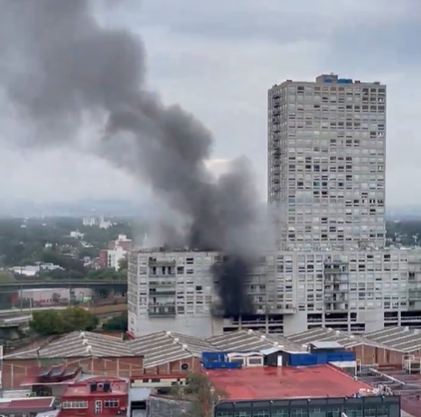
160	348
25	406
269	383
98	386
402	381
169	353
52	375
250	340
77	345
320	334
400	338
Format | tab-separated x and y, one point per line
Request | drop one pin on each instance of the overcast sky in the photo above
217	59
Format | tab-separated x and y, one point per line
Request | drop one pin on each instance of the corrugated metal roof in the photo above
163	347
269	351
397	338
78	344
320	334
326	345
156	348
251	340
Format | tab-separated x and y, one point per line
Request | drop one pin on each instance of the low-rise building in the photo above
174	354
321	390
367	350
96	396
95	353
401	338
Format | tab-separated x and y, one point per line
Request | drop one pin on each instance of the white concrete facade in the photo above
326	162
114	256
171	291
355	291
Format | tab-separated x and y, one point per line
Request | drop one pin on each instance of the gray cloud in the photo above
219	58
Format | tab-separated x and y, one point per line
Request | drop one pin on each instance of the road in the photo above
75	283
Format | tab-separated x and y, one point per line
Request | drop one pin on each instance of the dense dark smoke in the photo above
61	70
230	274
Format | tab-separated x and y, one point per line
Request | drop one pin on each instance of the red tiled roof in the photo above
285	382
29	403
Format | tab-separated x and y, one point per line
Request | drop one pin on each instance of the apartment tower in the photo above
326	163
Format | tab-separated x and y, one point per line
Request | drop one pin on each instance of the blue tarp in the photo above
309	359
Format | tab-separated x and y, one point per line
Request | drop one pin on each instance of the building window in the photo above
74	404
382	411
299	412
261	413
223	414
111	403
237	360
242	414
255	361
316	412
333	412
280	413
354	412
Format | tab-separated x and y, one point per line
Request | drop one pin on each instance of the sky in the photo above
217	59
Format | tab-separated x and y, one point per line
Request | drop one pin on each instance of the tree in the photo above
119	323
123	264
104	273
56	322
201	393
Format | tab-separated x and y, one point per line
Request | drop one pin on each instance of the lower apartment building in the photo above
354	290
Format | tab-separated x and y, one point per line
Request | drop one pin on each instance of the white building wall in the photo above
171	291
326	162
353	290
114	256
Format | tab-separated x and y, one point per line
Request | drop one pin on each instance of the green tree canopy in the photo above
56	322
123	264
116	323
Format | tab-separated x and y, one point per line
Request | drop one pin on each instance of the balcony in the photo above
334	308
167	312
335	269
414	293
163	304
155	275
159	283
161	263
161	292
338	320
336	289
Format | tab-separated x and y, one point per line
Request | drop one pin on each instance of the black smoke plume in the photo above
62	71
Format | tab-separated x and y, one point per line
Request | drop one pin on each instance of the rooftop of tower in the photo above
333	79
